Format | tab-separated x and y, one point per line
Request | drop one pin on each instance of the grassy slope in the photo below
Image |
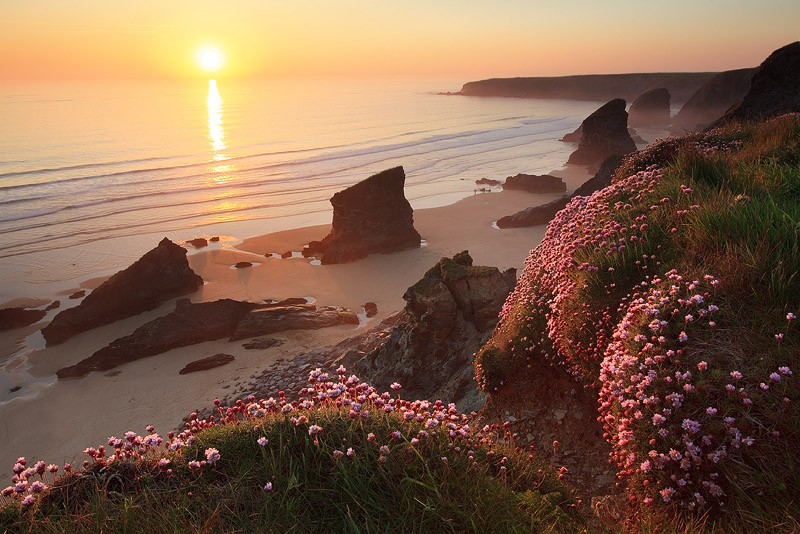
669	294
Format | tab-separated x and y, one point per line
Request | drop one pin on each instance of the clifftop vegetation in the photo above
672	295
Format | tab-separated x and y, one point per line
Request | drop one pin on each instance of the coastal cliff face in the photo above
712	100
597	87
671	296
370	217
159	275
774	89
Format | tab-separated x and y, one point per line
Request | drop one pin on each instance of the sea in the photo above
94	174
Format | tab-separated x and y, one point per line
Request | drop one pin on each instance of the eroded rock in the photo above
161	274
373	216
603	133
532	183
217	360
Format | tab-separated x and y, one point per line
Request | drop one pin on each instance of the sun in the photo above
210	58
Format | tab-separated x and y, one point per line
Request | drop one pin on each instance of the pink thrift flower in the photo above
736	375
212	455
262	441
268	487
28	501
702	366
790	316
314	429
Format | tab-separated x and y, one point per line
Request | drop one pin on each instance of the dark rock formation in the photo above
271	319
371	216
78	295
604	132
187	325
159	275
487	181
650	109
574	136
712	100
11	318
598	87
214	239
601	179
286	255
535	215
192	323
371	309
217	360
535	184
53	305
774	90
243	264
543	214
292	301
199	242
450	313
262	343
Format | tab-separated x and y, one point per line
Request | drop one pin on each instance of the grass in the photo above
386	472
688	263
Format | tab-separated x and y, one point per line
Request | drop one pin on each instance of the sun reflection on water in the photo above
216	132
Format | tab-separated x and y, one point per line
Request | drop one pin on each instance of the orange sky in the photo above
469	39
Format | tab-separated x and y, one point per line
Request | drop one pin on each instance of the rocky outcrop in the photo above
217	360
774	89
371	216
604	132
712	100
198	242
271	319
532	183
487	181
11	318
450	313
192	323
650	109
533	216
601	179
161	274
543	214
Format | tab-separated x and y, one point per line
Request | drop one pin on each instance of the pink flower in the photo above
28	501
736	375
268	487
262	441
212	455
314	429
702	366
396	386
790	316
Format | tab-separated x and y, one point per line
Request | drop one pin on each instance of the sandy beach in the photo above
66	416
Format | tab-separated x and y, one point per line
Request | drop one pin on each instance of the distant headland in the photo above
599	87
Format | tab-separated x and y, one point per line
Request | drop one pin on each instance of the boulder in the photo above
161	274
371	309
535	215
199	242
217	360
371	216
487	181
774	89
712	100
650	109
531	183
286	255
604	132
11	318
188	324
243	264
262	343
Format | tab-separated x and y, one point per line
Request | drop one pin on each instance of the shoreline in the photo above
150	391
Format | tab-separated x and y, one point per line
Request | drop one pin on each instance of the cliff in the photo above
670	296
595	87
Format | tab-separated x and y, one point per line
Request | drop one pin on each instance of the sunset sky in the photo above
470	39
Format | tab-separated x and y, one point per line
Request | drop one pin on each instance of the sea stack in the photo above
604	133
371	216
650	109
161	274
